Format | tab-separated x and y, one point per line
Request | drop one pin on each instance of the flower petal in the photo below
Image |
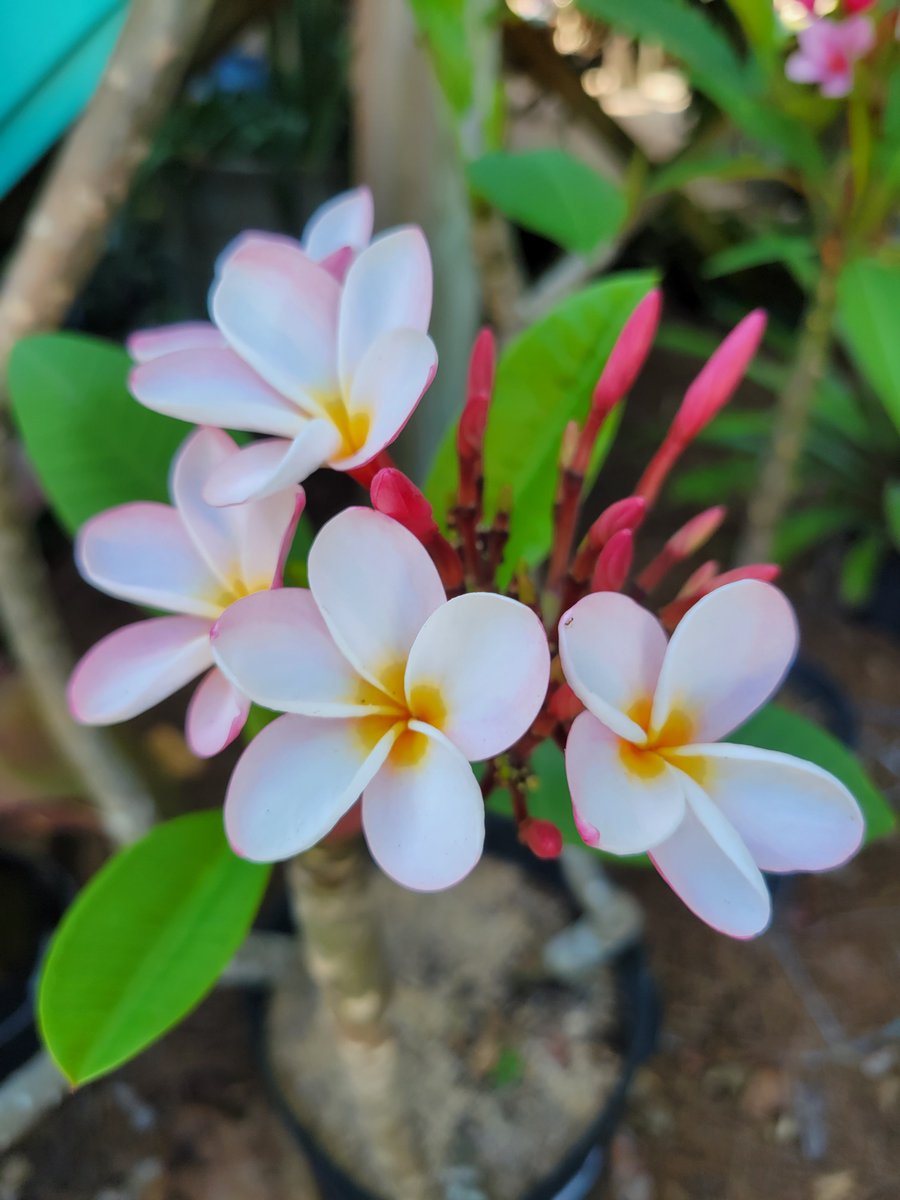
215	716
857	35
800	68
632	798
376	586
266	467
145	344
392	377
345	220
279	310
213	387
791	815
216	532
134	668
709	867
611	651
387	287
276	648
142	552
424	822
483	659
269	525
295	781
727	656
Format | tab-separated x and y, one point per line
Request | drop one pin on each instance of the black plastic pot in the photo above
33	896
638	1018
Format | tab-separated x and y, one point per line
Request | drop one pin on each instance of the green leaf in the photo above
892	510
552	193
777	728
143	943
758	22
759	251
860	569
443	25
91	444
727	167
868	304
544	379
800	531
713	483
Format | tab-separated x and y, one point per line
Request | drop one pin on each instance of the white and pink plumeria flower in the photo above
329	368
647	771
390	691
188	559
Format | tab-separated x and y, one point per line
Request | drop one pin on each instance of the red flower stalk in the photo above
672	613
706	396
473	419
396	496
681	545
614	563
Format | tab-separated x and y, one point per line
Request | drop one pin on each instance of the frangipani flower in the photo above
330	371
190	559
647	771
828	51
391	691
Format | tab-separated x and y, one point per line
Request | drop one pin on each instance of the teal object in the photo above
52	53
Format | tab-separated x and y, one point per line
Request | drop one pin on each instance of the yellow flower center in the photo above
352	426
423	703
650	760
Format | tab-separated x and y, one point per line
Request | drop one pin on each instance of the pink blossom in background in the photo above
828	51
647	771
189	559
390	691
329	369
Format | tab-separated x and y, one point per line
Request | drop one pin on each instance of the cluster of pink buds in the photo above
828	49
404	661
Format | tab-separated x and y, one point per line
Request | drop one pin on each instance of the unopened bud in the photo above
681	545
542	838
698	580
623	514
472	425
672	613
719	377
614	563
398	497
629	353
482	365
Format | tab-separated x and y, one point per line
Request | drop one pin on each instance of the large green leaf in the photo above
868	304
91	444
795	250
143	943
552	193
777	728
544	379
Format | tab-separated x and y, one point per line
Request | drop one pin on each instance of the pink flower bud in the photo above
698	580
714	386
542	838
681	545
629	353
398	497
850	6
623	514
672	613
614	563
472	425
482	365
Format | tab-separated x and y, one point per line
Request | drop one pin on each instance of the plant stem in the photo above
63	238
777	479
329	889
